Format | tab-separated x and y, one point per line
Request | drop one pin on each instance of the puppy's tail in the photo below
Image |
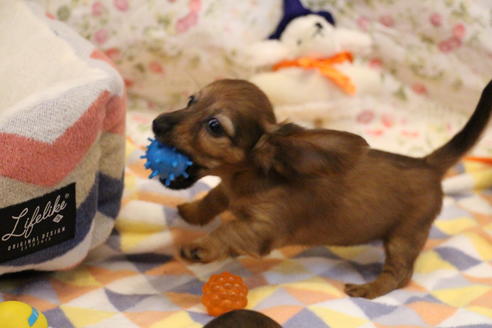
450	153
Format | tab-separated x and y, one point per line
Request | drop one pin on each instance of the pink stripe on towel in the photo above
32	161
115	115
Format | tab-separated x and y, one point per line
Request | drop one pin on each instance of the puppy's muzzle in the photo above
162	126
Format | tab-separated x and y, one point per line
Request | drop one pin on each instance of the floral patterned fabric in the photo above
166	49
433	57
439	48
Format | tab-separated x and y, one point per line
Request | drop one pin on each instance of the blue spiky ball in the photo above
165	162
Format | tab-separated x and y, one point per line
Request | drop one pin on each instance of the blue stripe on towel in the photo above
109	190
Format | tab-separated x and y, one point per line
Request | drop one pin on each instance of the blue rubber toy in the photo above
165	162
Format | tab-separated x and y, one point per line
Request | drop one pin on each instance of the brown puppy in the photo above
289	185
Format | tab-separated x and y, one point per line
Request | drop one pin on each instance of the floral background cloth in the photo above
181	40
433	58
167	49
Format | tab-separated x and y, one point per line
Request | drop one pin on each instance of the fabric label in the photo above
37	223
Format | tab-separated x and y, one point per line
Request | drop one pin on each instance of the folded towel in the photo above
62	120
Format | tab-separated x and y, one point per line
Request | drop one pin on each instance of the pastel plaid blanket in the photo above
134	280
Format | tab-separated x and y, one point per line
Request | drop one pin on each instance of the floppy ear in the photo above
292	149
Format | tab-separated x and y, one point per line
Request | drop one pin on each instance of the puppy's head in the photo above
217	129
230	124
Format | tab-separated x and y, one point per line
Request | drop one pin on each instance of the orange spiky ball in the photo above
224	292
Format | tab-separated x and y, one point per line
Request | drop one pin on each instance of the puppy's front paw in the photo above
365	290
192	253
198	253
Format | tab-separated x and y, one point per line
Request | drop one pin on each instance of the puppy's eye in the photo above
191	101
214	127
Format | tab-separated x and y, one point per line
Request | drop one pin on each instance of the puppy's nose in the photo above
318	25
160	126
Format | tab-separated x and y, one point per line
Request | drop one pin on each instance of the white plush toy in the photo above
311	63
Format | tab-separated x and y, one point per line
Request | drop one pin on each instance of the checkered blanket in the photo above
134	280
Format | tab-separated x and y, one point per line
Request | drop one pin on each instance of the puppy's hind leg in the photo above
202	211
401	248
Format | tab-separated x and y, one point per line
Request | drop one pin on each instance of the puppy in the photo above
289	185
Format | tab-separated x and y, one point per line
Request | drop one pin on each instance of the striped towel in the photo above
62	121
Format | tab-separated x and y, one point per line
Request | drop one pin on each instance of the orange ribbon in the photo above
325	67
485	160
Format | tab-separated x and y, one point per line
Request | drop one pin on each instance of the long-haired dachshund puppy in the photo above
289	185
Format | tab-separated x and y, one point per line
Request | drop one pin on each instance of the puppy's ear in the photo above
291	149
